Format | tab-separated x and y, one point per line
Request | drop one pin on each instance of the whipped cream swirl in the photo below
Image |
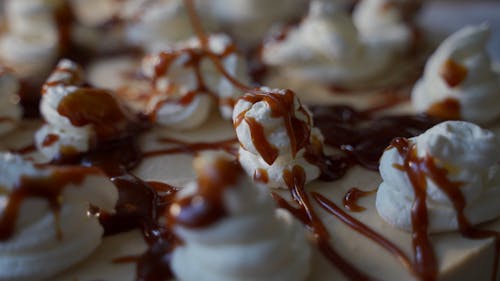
158	24
31	52
250	241
381	23
459	81
326	47
51	228
186	82
93	115
10	110
249	20
274	129
470	157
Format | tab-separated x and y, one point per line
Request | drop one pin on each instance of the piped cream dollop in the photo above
10	110
459	81
51	228
159	24
77	117
31	52
186	82
274	129
250	20
325	47
381	23
466	154
242	237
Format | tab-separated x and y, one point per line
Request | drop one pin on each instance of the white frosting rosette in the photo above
470	156
46	241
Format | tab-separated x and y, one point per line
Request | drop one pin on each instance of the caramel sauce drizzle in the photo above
418	169
352	196
295	181
282	106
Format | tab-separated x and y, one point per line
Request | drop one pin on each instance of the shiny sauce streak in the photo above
352	196
364	230
363	137
448	109
49	188
453	73
418	169
295	181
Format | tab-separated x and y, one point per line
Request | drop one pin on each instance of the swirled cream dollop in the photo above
235	232
274	129
459	81
76	117
159	24
469	156
10	110
325	47
250	20
381	23
186	82
31	52
44	223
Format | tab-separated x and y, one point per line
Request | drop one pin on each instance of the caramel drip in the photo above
49	188
363	137
206	206
453	73
88	106
448	109
295	181
49	140
418	170
364	230
352	196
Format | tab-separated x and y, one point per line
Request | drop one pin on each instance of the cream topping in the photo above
278	150
43	244
230	249
461	71
30	52
326	47
186	82
470	156
381	23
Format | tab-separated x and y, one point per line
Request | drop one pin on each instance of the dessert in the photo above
44	226
320	166
221	244
459	81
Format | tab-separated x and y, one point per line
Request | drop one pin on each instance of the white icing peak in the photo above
380	23
461	70
326	47
10	110
182	99
469	154
37	250
30	52
281	148
231	248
